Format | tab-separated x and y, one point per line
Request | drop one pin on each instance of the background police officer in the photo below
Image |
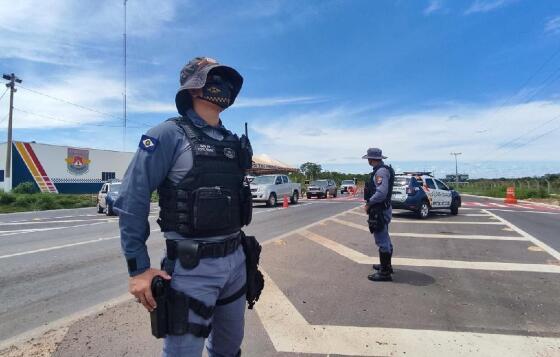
197	166
379	198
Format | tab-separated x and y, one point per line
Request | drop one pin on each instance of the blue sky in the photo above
324	80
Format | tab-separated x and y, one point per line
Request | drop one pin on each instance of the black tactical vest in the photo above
212	199
371	188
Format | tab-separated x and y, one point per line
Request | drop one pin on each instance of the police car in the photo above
107	196
420	192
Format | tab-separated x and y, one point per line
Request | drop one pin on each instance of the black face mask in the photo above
217	91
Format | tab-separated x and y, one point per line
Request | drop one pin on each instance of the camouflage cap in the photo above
193	76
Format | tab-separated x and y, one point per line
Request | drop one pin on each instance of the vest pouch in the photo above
246	205
211	209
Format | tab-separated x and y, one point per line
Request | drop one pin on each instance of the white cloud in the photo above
486	6
553	25
333	136
59	32
432	7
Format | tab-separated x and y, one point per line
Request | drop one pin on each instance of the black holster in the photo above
171	317
376	218
255	279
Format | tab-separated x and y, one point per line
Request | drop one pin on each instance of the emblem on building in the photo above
77	161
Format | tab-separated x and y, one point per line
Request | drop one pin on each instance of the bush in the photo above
47	201
6	198
25	187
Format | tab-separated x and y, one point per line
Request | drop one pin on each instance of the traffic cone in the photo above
510	195
285	203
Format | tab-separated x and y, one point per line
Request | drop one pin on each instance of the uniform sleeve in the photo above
147	170
381	181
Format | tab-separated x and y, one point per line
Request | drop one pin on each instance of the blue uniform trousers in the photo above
212	279
382	239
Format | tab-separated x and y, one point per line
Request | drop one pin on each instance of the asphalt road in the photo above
55	263
474	284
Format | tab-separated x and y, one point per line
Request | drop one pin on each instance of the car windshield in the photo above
114	187
402	181
263	180
347	182
319	183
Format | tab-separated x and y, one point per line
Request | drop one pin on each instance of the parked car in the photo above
107	196
420	192
322	188
346	185
271	188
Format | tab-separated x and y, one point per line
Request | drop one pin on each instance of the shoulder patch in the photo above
147	143
378	179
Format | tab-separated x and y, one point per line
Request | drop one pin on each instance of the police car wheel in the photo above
335	193
99	209
455	208
424	210
109	210
271	202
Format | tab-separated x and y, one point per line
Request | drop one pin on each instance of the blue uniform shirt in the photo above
381	182
164	152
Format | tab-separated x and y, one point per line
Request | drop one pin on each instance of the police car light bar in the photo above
418	173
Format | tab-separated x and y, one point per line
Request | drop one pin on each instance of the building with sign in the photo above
65	169
61	169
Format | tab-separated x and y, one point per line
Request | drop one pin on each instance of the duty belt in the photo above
205	249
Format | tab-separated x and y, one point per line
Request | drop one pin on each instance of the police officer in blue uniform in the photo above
198	168
377	195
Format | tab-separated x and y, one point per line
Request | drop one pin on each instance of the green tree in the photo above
311	170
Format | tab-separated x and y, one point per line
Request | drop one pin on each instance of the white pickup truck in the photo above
271	188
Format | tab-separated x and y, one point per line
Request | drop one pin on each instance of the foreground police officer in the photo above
377	194
198	168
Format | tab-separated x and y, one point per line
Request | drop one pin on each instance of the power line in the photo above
529	132
83	107
70	103
5	91
67	121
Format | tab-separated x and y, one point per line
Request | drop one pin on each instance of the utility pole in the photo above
124	75
456	170
7	173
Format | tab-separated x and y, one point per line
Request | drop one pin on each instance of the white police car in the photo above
107	196
420	192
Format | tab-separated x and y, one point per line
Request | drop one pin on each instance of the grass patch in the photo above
21	202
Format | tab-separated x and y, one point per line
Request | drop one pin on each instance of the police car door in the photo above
432	193
444	193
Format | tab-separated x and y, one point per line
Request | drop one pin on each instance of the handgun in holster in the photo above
376	218
158	317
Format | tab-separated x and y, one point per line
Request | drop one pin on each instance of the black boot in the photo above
385	270
378	266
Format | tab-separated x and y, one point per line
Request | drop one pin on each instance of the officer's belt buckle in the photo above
188	253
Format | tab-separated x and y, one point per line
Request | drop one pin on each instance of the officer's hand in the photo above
141	287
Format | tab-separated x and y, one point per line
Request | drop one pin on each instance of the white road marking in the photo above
497	204
442	222
361	258
62	246
290	332
475	215
33	230
520	211
537	242
432	235
54	222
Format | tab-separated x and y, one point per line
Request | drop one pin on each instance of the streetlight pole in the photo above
7	173
456	170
